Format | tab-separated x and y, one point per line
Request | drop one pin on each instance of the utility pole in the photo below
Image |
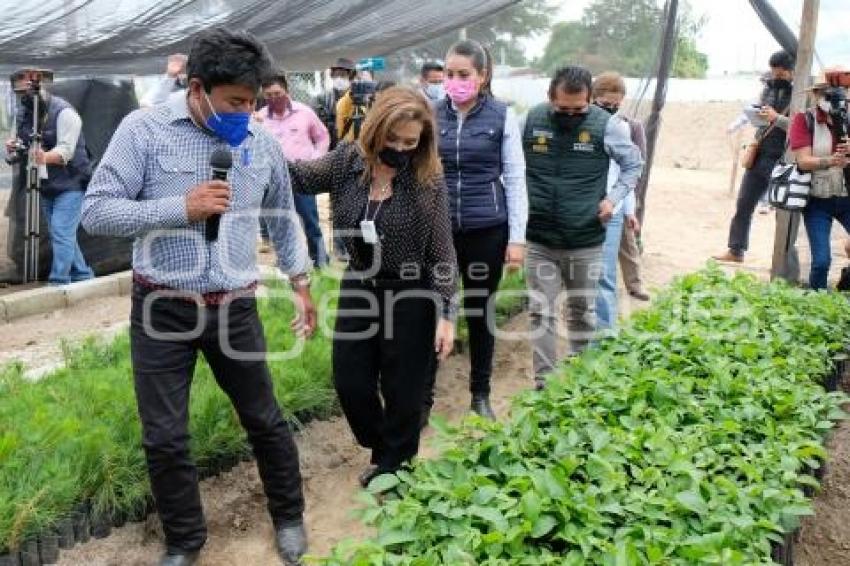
786	263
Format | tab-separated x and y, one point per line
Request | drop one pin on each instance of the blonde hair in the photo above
609	82
392	107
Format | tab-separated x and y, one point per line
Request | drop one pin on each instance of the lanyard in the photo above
382	193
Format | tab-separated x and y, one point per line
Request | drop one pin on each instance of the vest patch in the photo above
540	148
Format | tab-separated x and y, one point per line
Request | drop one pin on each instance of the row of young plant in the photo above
71	463
690	438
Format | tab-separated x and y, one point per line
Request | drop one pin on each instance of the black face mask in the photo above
566	121
613	109
779	84
395	158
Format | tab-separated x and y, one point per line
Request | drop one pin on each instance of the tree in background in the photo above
623	35
501	33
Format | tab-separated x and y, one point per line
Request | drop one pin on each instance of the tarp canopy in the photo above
97	37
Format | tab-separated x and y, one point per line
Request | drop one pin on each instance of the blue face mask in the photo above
435	91
231	127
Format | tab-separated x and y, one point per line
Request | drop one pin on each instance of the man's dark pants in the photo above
163	369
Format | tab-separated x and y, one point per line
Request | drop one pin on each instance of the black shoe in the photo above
187	559
291	543
368	475
481	406
640	295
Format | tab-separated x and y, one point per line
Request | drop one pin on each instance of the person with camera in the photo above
569	144
195	273
64	155
342	73
396	305
763	153
819	140
481	151
173	81
301	135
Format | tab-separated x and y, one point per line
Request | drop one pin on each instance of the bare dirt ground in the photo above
689	207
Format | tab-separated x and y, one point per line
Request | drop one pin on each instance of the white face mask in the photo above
824	105
435	91
341	83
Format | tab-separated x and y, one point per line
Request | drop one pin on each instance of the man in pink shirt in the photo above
303	136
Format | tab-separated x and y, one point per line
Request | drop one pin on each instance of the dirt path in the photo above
688	219
240	531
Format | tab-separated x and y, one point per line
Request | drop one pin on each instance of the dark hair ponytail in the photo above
481	59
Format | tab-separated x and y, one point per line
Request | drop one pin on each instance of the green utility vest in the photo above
567	176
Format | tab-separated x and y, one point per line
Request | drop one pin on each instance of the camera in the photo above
16	152
362	92
837	98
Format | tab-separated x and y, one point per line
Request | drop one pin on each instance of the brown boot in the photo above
729	257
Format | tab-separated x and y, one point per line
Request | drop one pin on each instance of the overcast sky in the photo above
734	38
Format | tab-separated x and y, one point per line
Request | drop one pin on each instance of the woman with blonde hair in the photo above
396	306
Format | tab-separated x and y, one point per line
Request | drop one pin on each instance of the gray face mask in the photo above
435	91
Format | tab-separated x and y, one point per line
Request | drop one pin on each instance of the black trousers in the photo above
481	260
382	348
163	367
753	186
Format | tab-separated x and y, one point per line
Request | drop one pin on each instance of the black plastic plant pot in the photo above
246	455
229	461
65	531
203	472
119	519
30	558
29	553
139	512
82	526
10	558
48	548
101	525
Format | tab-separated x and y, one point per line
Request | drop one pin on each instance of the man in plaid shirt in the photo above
194	292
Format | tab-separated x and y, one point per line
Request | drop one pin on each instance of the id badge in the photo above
370	233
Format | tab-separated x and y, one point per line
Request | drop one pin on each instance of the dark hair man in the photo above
569	144
773	107
192	292
431	80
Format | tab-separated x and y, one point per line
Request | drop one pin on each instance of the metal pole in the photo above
32	222
653	123
786	264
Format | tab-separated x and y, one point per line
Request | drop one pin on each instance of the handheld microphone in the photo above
220	161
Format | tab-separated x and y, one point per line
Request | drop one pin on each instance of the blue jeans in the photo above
62	212
818	216
606	299
305	206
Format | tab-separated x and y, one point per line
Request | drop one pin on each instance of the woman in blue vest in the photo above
481	150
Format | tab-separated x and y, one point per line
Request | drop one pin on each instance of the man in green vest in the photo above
569	144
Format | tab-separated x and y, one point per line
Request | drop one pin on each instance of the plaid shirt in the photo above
139	190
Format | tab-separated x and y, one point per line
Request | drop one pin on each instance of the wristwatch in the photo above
300	281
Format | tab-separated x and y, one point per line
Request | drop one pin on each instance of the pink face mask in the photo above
461	91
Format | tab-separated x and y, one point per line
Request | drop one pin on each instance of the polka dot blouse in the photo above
414	228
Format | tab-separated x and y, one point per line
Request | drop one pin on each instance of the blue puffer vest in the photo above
471	151
75	175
